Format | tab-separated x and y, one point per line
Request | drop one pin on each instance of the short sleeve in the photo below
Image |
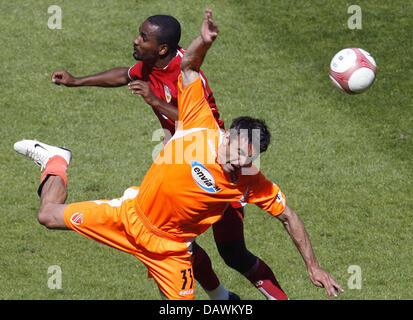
266	195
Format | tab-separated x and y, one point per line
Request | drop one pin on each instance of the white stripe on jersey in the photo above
129	73
181	133
129	193
203	80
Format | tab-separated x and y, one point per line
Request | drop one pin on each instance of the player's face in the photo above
145	45
239	153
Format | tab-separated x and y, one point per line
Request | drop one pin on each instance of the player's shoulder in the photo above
135	71
176	61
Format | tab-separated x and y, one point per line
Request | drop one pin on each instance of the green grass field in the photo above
344	162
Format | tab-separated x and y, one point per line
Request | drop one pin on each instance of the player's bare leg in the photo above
52	199
52	190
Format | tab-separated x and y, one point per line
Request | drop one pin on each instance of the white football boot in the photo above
40	152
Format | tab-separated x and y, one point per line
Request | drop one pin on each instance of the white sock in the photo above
220	293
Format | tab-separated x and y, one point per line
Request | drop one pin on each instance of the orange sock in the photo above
56	166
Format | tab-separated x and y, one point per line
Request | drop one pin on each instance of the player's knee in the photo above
45	217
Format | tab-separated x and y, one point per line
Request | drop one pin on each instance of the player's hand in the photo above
209	30
63	77
143	89
323	279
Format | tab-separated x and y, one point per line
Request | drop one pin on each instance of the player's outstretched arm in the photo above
111	78
195	53
298	234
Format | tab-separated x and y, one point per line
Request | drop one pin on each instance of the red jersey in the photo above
164	84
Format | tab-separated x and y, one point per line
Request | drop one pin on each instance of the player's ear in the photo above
163	49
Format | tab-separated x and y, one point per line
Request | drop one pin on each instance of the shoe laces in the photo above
39	158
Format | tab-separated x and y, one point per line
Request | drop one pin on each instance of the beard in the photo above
136	54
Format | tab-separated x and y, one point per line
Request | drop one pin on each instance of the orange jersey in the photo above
186	190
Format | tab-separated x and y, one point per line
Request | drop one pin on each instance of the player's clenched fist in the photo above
63	77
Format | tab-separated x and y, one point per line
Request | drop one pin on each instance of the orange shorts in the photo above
118	223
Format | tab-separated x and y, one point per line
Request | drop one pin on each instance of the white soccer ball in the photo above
353	70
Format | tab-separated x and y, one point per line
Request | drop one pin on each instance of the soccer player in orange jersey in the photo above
198	173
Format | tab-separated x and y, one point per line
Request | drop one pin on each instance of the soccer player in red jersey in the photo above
155	78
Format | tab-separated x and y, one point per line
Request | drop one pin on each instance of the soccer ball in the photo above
353	70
